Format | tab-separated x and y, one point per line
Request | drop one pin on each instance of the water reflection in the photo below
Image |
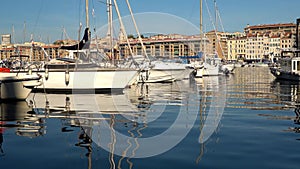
252	88
144	110
160	106
288	93
1	141
86	142
297	112
213	96
21	116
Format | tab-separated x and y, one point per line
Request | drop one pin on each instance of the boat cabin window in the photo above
296	66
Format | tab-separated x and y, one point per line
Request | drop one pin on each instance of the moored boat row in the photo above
287	66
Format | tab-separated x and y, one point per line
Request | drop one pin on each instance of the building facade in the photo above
34	52
275	28
165	46
257	43
236	48
262	42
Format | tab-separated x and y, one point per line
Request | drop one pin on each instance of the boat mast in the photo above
137	30
201	18
216	15
110	27
123	28
87	19
202	37
297	35
87	13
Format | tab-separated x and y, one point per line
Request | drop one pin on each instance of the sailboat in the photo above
163	71
212	63
17	87
287	66
152	70
72	74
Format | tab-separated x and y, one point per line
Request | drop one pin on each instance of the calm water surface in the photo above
245	120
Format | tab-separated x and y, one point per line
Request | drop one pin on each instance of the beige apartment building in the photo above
275	28
287	41
262	42
33	51
236	48
218	42
175	45
165	46
255	47
259	42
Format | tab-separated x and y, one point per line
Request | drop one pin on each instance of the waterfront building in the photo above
287	41
236	48
218	41
273	46
35	51
165	46
257	43
5	39
262	42
232	49
254	47
257	47
274	28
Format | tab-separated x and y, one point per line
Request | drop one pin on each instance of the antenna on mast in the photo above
87	20
87	13
13	34
201	18
24	32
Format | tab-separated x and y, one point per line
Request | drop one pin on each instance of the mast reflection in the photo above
130	114
21	116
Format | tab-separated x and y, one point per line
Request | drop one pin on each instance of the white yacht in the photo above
161	71
75	74
288	68
17	87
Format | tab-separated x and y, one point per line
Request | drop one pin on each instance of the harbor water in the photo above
244	120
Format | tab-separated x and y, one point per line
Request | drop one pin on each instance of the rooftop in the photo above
268	26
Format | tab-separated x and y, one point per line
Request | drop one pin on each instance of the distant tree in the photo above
130	36
58	42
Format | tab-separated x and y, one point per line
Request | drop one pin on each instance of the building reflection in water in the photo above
213	98
127	113
288	94
130	113
252	88
20	116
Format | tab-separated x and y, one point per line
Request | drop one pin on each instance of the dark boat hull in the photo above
284	75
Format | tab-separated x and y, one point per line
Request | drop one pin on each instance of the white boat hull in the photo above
228	68
211	70
98	80
17	87
159	75
87	79
164	72
153	76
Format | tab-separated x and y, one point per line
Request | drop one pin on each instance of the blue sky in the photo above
45	18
